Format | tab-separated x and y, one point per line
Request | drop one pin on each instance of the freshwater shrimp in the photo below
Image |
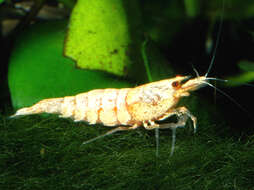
127	108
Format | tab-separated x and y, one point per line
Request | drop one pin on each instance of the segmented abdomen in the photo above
98	106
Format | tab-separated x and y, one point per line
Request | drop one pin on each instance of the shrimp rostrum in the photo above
127	108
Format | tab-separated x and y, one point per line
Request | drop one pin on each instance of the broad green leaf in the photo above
1	1
103	36
38	69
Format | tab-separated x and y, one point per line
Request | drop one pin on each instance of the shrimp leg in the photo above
111	132
183	115
180	123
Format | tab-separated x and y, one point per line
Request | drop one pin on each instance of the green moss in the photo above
45	153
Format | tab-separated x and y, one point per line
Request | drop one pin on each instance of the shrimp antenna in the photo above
230	98
195	70
212	78
217	40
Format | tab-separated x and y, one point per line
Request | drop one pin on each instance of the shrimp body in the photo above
127	108
142	105
105	106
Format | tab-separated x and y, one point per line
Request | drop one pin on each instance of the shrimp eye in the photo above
175	84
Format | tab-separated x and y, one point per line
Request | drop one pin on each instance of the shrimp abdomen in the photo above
107	106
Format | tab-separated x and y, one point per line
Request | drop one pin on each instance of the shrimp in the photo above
127	108
142	105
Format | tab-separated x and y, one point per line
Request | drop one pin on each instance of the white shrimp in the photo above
128	108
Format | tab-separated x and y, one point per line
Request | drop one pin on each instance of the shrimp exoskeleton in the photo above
127	108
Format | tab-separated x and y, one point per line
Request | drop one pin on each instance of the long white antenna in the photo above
217	40
231	99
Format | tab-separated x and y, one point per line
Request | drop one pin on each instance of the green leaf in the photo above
246	76
246	66
38	69
100	35
192	8
240	79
